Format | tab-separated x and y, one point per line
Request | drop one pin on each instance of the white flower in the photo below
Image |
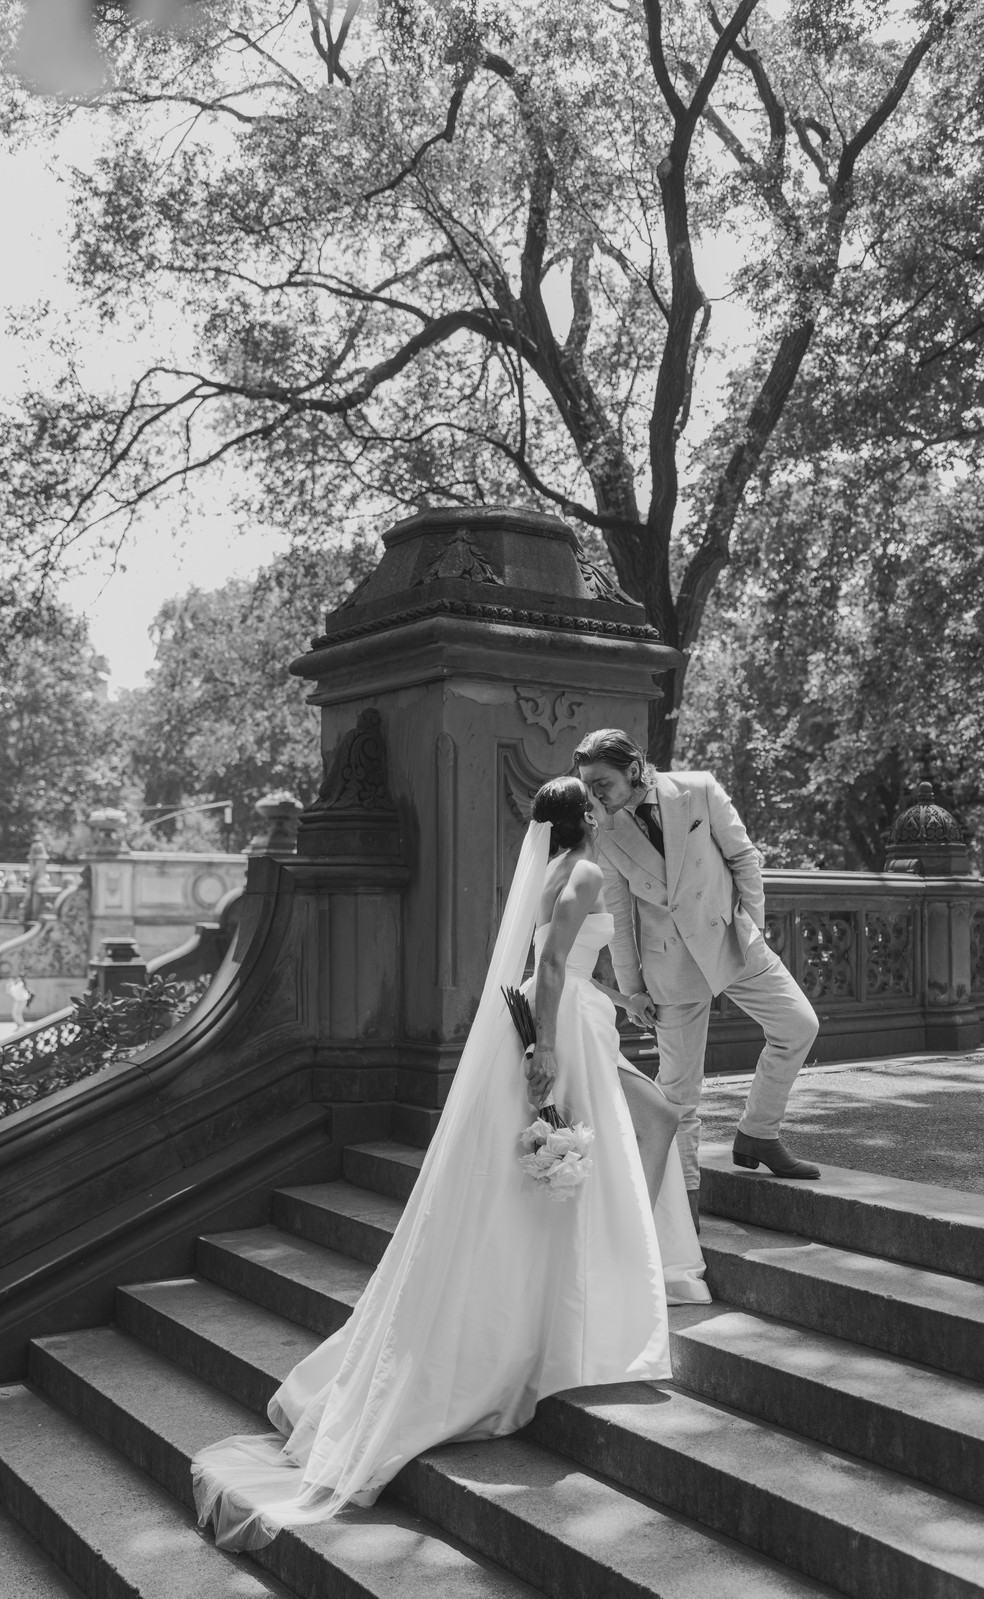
561	1141
568	1176
537	1133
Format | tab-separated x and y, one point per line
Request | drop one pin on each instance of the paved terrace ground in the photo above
918	1117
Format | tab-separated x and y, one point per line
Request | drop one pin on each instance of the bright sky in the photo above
121	598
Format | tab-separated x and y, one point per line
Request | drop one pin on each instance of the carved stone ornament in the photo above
519	780
888	953
460	558
925	822
599	585
356	779
510	615
927	840
828	940
555	713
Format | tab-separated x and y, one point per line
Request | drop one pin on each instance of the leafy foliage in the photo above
220	717
60	753
108	1026
844	662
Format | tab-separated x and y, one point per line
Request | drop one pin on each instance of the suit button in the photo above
715	922
699	861
649	885
700	893
672	940
672	907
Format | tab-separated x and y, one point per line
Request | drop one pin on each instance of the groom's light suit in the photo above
688	926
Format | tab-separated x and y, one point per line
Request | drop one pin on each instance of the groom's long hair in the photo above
614	747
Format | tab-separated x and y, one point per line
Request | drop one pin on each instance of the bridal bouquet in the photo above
556	1152
557	1157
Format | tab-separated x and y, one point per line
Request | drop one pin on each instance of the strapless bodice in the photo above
596	931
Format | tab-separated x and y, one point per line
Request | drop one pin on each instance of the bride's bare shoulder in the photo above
587	874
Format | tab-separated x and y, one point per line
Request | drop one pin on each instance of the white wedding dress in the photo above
490	1295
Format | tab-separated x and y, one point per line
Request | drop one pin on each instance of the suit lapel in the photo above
625	834
674	815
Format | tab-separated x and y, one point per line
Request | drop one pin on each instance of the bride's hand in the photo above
640	1008
541	1070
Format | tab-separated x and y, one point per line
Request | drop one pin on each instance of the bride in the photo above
490	1295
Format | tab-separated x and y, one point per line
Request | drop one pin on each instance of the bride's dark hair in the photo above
563	802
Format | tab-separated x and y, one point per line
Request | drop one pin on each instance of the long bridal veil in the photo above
426	1354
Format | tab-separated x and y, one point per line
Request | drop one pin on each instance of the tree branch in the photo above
445	136
657	57
580	327
723	47
887	105
330	51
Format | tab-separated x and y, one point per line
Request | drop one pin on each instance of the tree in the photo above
371	222
842	662
60	751
220	717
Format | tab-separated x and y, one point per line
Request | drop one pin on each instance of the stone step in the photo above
576	1536
927	1317
229	1342
158	1416
922	1423
896	1413
711	1565
26	1572
914	1223
385	1167
830	1516
353	1221
862	1529
285	1273
924	1316
113	1531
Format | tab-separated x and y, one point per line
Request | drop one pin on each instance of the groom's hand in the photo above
541	1071
641	1009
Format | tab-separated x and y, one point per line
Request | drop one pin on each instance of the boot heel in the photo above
750	1162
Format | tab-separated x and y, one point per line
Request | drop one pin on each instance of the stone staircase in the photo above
825	1433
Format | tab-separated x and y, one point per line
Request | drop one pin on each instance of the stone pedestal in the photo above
478	653
926	841
117	965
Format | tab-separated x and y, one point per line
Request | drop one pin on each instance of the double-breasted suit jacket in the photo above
684	925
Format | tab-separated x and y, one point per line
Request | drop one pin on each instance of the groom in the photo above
684	884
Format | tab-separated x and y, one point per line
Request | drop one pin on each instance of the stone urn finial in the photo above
926	840
108	825
278	834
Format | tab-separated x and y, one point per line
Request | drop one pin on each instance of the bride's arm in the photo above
638	1006
575	900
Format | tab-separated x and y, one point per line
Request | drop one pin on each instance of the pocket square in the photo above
696	824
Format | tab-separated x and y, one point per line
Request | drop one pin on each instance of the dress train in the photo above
490	1295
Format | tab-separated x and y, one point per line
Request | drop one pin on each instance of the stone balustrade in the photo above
16	887
892	962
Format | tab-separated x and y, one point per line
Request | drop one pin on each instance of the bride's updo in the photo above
563	802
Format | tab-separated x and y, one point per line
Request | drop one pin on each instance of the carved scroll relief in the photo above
555	713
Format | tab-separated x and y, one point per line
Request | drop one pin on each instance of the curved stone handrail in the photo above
249	1063
28	935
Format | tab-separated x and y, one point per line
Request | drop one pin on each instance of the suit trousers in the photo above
771	997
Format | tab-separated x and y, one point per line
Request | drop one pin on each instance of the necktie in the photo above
647	814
